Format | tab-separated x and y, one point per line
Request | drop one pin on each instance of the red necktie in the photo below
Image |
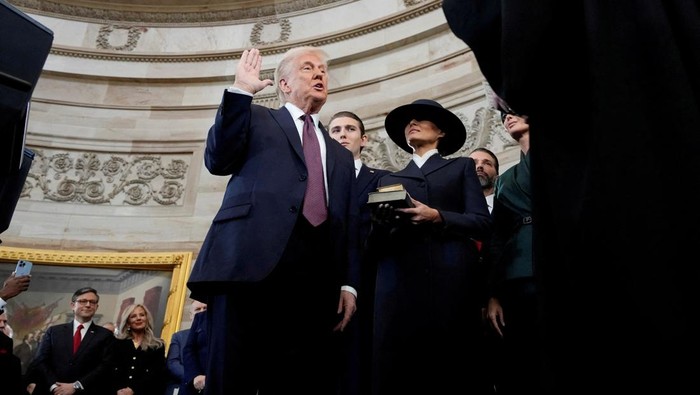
77	338
314	208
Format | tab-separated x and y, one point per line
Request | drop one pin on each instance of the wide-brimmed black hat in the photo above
426	110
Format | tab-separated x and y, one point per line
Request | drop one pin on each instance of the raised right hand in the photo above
248	72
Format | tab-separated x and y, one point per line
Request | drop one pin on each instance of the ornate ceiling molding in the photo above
193	14
266	48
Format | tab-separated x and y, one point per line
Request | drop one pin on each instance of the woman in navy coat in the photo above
427	314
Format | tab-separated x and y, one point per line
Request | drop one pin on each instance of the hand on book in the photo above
388	214
385	214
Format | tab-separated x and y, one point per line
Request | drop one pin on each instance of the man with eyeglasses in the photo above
71	357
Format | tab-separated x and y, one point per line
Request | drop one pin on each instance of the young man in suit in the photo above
60	370
278	268
348	129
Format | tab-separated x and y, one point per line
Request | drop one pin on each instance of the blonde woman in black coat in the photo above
137	359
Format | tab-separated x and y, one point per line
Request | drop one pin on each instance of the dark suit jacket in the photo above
141	370
195	353
367	180
10	368
55	361
261	149
175	361
356	339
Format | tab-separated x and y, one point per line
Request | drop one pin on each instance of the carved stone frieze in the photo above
107	178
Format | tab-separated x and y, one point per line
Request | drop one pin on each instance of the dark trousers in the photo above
274	337
519	368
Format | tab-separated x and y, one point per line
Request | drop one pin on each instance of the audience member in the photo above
12	287
196	355
427	313
279	266
487	169
175	358
512	306
72	356
10	364
24	351
4	325
137	358
110	326
348	129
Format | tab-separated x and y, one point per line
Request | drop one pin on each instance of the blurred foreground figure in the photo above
610	245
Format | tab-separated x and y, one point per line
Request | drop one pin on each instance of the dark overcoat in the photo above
427	308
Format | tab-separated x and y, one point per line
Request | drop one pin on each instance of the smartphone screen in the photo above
23	268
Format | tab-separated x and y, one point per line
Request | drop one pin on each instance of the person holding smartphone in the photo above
10	365
14	285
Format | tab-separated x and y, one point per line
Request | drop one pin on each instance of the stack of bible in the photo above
393	194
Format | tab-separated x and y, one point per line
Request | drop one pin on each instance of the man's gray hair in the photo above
284	68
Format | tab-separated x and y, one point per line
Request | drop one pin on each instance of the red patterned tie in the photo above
77	337
314	208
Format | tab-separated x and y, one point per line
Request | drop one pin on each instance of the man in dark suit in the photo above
61	371
348	129
195	355
277	271
609	245
175	361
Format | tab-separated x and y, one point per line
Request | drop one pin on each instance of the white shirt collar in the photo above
358	166
420	160
296	113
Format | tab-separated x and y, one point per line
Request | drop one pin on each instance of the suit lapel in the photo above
330	158
434	163
65	331
410	171
289	129
364	178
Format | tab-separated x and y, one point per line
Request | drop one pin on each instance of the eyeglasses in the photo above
85	302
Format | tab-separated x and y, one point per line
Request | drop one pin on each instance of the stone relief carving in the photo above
285	27
107	178
133	34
